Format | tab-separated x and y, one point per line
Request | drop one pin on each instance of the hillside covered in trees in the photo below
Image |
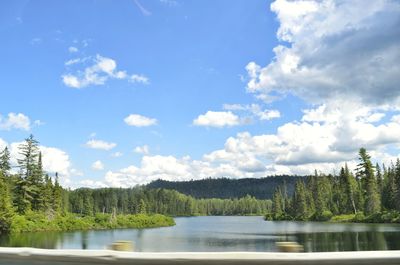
370	194
225	188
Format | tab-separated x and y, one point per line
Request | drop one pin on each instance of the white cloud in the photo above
336	50
73	49
396	118
117	154
98	73
255	110
97	165
92	184
325	139
100	144
142	149
3	144
15	121
139	79
217	119
139	120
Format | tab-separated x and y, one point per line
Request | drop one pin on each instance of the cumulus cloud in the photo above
217	119
142	149
73	49
15	121
254	110
324	139
139	120
100	144
89	183
139	79
98	72
336	49
98	165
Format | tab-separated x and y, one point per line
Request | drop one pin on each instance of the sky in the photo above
121	93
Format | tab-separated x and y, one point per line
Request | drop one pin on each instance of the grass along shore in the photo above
34	222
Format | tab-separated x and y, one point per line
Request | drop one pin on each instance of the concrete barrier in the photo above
17	256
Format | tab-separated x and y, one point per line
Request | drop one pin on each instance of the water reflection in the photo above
223	234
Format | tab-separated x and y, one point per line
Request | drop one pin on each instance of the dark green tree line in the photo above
368	192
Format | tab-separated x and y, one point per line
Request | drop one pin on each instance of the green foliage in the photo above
339	198
323	216
32	222
343	218
5	161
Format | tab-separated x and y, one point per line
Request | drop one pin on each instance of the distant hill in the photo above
261	188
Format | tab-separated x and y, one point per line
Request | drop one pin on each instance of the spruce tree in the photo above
5	161
277	210
300	208
6	210
350	186
35	181
366	172
57	198
397	181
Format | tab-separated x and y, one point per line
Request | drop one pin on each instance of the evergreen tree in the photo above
379	178
35	181
366	173
397	180
6	210
57	198
277	200
5	161
389	189
142	207
47	193
300	208
350	186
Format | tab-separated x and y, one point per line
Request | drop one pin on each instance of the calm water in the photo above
223	234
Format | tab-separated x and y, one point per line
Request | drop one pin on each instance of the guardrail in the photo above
17	256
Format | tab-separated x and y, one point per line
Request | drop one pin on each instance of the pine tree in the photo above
379	178
23	190
277	210
47	193
350	185
389	189
57	196
142	207
6	210
366	173
300	208
397	181
5	161
35	181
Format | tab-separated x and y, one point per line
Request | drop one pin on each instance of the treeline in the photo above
370	194
151	201
225	188
32	201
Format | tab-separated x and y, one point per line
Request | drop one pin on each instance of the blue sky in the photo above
212	88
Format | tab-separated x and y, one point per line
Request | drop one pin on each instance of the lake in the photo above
217	233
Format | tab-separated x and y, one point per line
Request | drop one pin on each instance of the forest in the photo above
226	188
370	194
